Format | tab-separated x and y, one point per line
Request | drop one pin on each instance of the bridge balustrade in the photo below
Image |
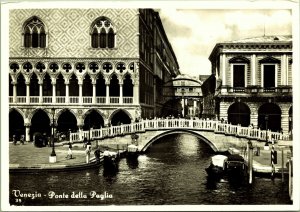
157	124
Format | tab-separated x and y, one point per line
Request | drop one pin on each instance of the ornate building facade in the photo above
254	82
81	68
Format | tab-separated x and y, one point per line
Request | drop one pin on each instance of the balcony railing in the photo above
34	99
256	89
21	99
100	100
60	99
47	99
114	100
127	100
72	100
87	100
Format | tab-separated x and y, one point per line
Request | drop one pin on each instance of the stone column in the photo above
195	107
285	123
136	93
27	132
283	70
222	68
41	93
14	92
253	69
254	120
121	94
53	92
27	92
182	105
80	93
107	93
94	93
67	92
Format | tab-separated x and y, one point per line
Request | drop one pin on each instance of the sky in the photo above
193	33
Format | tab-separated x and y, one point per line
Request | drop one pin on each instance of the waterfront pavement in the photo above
30	157
27	156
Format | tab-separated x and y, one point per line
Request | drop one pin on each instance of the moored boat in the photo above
217	166
235	167
132	151
110	160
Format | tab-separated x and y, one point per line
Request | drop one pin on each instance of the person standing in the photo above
88	153
70	155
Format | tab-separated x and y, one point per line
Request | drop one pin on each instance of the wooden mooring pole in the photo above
282	165
250	160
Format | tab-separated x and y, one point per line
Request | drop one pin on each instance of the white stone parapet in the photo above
197	125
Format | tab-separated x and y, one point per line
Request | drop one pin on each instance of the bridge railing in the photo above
158	124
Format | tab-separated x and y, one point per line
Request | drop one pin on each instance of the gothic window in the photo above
102	33
34	34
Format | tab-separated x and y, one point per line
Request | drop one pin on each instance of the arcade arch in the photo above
239	113
269	117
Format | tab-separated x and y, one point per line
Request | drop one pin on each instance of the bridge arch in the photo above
183	131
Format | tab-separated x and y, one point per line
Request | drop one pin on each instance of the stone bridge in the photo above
219	136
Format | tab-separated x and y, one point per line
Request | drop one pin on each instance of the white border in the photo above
277	4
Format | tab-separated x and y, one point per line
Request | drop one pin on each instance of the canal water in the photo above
172	172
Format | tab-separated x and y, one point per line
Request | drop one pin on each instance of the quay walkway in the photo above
28	158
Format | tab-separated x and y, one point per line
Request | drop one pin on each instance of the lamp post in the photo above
52	158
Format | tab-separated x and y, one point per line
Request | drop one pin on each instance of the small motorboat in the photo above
217	166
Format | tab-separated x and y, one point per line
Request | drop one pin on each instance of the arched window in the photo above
102	33
34	33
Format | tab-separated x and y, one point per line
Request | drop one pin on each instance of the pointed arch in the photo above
102	33
114	87
47	85
60	85
127	86
93	119
73	86
120	116
87	87
100	86
21	85
16	123
40	122
66	121
34	33
34	85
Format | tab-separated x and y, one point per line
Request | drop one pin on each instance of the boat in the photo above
110	160
235	167
132	151
217	166
231	167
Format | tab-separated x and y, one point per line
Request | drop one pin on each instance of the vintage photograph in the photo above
130	105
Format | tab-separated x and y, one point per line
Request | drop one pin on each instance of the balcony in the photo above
256	90
86	100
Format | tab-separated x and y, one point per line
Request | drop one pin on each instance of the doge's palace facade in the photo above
75	68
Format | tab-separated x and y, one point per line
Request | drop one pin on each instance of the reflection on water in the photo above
171	172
